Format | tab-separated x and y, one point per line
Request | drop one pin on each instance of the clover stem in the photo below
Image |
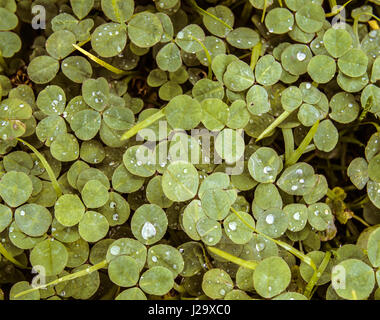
143	124
68	277
282	244
9	257
280	3
100	62
206	13
289	142
177	287
256	52
274	125
332	4
317	274
241	262
208	56
302	147
335	10
206	259
48	169
354	216
264	11
355	28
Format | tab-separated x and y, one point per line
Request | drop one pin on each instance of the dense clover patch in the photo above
195	150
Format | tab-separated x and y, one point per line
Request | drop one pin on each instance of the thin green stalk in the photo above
282	244
68	277
256	53
302	147
317	274
48	169
309	148
9	257
143	124
101	62
354	216
264	11
208	56
282	117
356	24
337	11
289	142
179	288
206	13
332	4
225	255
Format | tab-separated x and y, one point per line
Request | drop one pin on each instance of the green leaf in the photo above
183	112
50	254
216	283
311	17
43	69
267	71
149	223
145	29
123	271
118	10
76	68
238	76
353	63
59	44
52	100
81	8
8	20
33	219
169	58
65	148
10	43
166	256
359	279
337	41
264	165
326	137
180	181
15	188
318	74
157	280
108	40
243	38
271	277
93	226
96	93
279	21
215	26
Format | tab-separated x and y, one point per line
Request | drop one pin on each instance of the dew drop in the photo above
115	250
269	219
232	225
148	230
301	56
